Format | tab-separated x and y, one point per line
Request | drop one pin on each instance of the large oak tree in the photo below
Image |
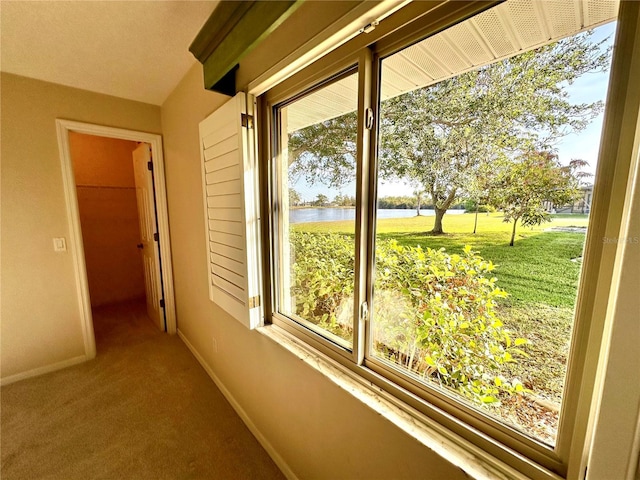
440	136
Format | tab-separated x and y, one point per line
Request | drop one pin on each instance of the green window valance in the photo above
233	30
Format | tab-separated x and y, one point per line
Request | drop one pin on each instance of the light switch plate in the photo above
59	244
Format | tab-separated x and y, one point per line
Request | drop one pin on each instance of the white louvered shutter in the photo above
229	178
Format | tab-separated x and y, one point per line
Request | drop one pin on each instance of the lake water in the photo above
304	215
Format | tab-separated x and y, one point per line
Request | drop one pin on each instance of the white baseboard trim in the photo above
42	370
275	456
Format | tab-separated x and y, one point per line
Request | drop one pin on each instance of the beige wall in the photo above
105	186
41	324
318	429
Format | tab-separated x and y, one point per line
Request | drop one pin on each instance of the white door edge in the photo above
76	248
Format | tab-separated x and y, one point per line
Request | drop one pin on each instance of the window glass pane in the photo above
484	191
317	195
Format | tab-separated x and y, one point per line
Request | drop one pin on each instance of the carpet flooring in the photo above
143	409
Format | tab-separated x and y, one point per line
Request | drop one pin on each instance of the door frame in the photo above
76	247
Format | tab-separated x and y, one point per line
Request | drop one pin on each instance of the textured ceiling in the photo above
130	49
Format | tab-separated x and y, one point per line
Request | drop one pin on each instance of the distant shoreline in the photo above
428	207
331	214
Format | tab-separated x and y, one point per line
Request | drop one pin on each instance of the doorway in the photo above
126	252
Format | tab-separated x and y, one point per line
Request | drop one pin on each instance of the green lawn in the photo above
539	273
537	269
452	223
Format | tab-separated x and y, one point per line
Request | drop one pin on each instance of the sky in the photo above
588	88
583	145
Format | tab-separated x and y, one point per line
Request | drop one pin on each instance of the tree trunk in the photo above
441	210
437	226
513	232
475	221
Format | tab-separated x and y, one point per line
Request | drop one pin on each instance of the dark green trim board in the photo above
227	84
233	30
223	19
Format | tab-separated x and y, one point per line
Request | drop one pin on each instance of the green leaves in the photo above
322	280
524	187
433	313
445	328
445	139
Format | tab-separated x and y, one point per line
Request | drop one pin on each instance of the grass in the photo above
537	269
537	272
548	329
452	223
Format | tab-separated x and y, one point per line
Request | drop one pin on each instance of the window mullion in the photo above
363	254
372	187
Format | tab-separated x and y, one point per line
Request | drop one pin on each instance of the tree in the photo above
344	201
524	186
478	190
321	200
443	134
419	196
324	152
581	181
294	198
440	135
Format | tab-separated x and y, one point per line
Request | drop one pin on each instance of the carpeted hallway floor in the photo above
143	409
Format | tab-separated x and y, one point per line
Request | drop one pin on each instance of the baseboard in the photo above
275	456
42	370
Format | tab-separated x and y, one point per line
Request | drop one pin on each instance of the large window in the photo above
431	198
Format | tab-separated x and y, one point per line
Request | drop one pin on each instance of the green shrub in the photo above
322	267
434	313
446	328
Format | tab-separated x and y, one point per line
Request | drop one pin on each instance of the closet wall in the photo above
106	192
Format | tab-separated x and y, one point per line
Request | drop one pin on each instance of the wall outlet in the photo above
214	345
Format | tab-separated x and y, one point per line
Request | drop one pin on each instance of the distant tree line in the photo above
389	202
406	202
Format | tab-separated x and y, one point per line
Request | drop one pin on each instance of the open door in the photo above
143	171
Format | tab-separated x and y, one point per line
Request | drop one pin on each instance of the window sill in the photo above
476	463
